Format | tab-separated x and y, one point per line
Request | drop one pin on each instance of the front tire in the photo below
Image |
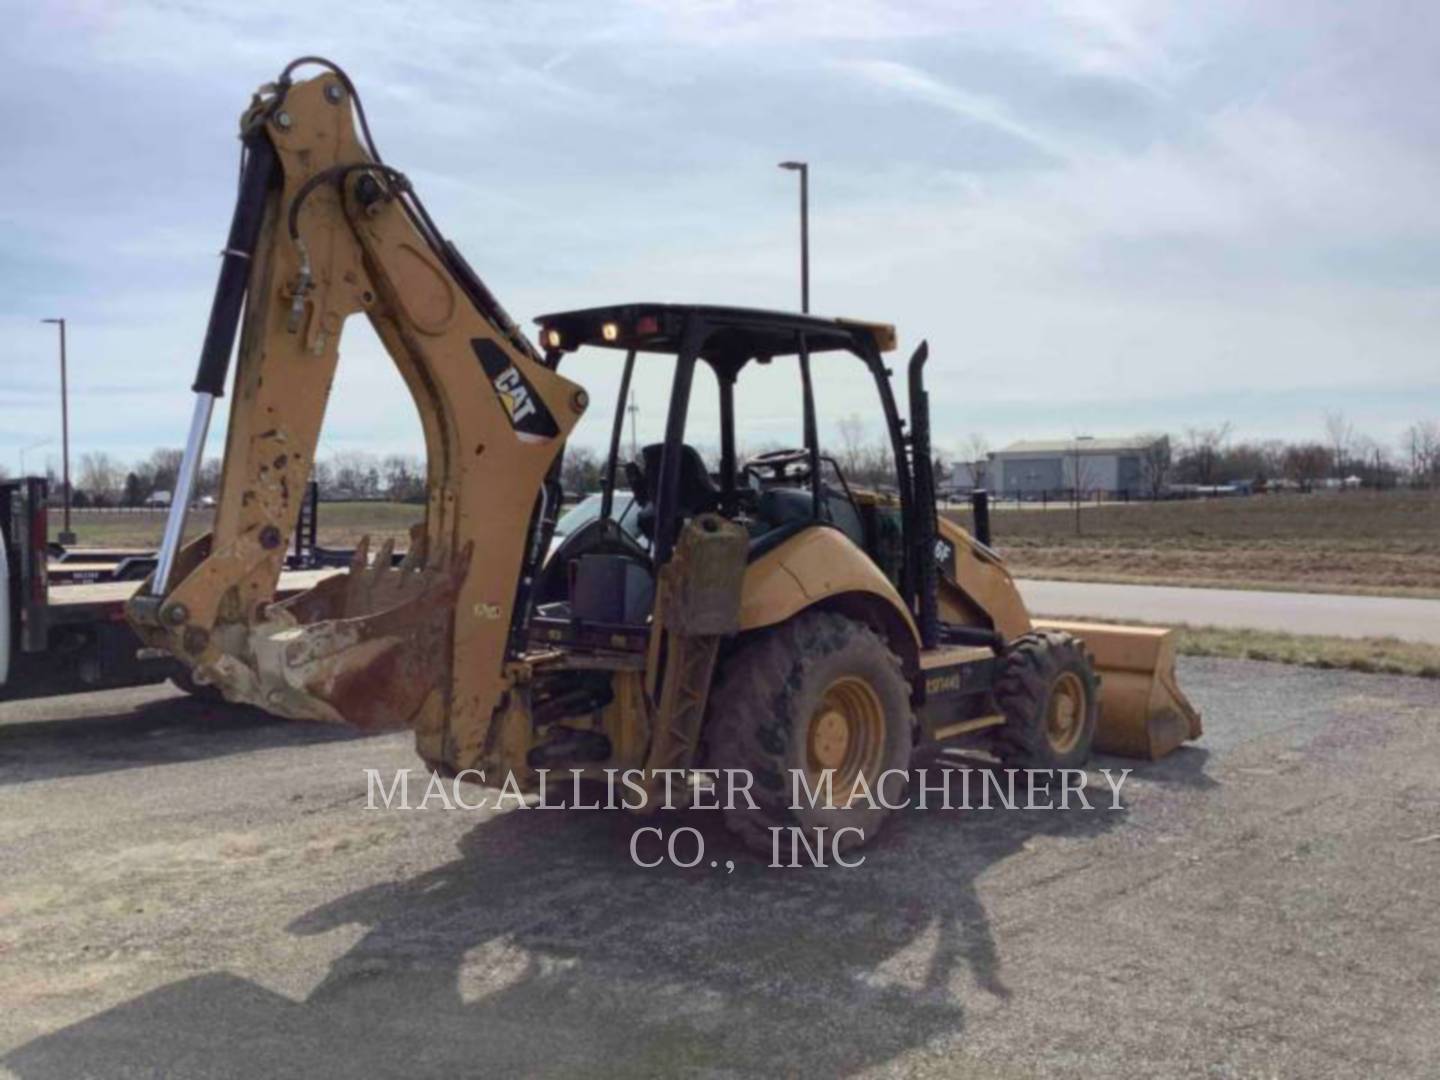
1050	695
820	692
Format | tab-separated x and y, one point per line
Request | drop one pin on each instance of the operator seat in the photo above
696	492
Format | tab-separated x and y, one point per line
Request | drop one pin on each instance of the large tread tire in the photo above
759	715
1038	665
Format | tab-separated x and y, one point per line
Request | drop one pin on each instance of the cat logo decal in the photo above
528	414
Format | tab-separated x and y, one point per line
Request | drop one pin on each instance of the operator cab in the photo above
602	574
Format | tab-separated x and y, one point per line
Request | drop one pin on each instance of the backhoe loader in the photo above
766	617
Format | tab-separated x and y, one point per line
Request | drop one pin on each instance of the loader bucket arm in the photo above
332	232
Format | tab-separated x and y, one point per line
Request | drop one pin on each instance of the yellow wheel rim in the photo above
846	735
1065	716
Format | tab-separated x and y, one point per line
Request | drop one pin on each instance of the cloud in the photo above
976	107
1157	213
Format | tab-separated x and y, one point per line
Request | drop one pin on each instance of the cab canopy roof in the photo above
732	331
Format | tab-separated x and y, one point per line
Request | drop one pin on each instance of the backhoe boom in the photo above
324	230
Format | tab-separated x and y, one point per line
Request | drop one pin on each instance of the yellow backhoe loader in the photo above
765	617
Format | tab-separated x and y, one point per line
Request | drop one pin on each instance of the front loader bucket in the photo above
1143	712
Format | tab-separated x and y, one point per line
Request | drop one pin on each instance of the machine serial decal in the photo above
942	684
527	413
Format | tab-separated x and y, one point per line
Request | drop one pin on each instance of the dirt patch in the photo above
1387	543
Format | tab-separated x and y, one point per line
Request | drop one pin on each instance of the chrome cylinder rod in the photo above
184	489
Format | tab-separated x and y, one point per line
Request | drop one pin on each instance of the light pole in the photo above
66	536
804	170
634	412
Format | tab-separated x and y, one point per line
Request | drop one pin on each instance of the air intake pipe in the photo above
922	549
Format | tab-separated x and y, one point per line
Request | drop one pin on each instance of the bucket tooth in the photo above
361	558
386	559
414	559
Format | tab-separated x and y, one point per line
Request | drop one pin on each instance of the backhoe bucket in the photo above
370	647
1143	712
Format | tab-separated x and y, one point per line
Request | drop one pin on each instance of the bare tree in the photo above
164	468
1157	462
877	466
1368	461
101	477
1082	479
1339	434
356	475
1272	460
1203	450
1079	470
852	444
403	478
581	472
324	476
1306	463
1421	443
136	491
975	450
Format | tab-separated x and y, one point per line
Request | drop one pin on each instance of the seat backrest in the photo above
696	493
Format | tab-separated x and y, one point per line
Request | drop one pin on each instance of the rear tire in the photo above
1050	695
818	692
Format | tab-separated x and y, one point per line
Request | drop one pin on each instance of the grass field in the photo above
1373	655
1337	543
1380	656
1384	543
1353	542
342	524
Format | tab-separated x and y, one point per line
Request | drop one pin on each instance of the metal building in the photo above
1112	466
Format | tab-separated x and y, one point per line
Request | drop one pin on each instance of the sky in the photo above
1106	217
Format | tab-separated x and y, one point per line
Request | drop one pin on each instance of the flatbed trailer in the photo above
63	633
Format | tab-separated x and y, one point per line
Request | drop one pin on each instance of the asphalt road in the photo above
198	891
1290	612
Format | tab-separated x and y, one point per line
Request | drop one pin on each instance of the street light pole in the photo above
66	536
634	411
803	169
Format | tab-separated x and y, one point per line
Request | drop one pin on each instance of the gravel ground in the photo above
198	891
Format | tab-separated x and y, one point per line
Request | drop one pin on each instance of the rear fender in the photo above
822	568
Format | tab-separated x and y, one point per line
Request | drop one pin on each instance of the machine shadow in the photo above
166	731
542	949
1185	766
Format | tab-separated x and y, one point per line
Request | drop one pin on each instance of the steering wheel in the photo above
775	465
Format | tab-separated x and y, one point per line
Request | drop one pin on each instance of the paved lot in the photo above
196	891
1297	613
